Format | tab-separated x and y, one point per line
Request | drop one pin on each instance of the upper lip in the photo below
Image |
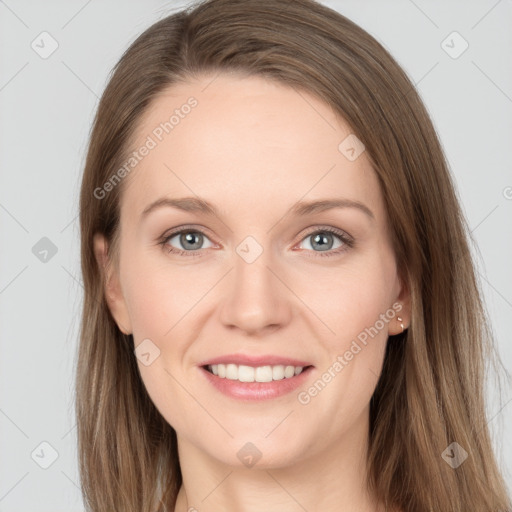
252	360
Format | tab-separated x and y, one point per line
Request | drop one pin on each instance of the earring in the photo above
401	324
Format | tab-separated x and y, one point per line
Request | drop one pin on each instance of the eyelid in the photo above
186	227
347	240
164	239
325	228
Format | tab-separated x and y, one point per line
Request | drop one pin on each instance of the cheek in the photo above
350	299
158	295
164	387
158	300
354	304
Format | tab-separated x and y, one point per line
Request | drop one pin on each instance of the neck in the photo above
329	480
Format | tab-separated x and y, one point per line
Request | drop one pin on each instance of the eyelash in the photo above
347	241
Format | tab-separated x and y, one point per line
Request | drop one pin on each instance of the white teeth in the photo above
263	374
245	373
278	372
289	371
232	372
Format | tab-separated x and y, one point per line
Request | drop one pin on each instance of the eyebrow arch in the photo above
301	209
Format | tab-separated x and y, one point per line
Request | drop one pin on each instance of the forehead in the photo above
245	143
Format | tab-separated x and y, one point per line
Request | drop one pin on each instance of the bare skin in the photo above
253	149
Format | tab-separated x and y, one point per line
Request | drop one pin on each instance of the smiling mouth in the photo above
244	373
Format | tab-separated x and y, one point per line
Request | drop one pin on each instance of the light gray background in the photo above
46	113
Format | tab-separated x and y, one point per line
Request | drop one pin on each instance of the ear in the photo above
113	293
404	313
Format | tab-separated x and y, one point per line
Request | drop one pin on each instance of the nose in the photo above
256	301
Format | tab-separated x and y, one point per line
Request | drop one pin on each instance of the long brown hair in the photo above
431	391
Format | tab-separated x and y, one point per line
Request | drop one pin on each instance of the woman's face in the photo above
257	283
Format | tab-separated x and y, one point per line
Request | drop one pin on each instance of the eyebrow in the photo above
300	209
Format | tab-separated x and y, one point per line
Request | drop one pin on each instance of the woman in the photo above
320	345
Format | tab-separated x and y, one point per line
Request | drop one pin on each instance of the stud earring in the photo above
400	319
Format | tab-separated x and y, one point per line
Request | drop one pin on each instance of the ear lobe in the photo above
404	298
113	293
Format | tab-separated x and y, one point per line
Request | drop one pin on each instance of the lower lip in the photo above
257	390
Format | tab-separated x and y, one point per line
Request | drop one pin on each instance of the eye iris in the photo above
323	240
189	237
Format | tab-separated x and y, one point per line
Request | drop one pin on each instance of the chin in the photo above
258	452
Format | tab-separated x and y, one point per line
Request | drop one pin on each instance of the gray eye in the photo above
322	241
190	240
